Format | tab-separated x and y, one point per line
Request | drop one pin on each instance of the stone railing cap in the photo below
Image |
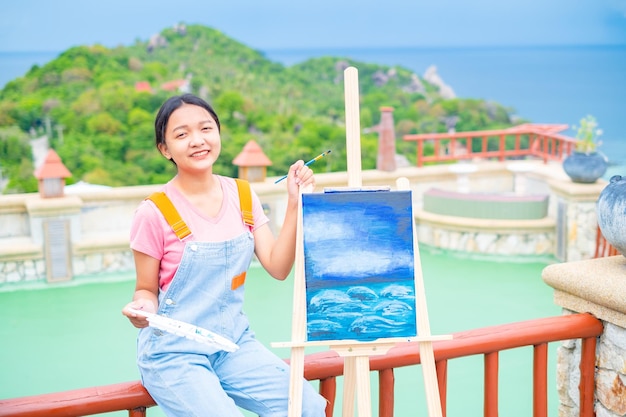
597	286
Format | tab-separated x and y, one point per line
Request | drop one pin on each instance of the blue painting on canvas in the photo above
359	265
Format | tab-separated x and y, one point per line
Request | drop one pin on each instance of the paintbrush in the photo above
317	158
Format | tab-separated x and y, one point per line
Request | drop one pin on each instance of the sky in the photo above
39	25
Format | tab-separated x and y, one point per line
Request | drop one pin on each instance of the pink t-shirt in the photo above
151	234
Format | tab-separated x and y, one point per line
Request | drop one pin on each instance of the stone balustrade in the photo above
596	286
91	227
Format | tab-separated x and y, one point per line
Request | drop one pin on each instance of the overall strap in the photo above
164	204
245	201
180	228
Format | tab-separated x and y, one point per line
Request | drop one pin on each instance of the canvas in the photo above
359	265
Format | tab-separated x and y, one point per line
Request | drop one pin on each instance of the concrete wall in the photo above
97	223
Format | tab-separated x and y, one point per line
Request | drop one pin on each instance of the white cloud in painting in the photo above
328	225
340	250
361	262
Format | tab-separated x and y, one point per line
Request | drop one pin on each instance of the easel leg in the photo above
356	371
429	370
296	384
349	385
363	395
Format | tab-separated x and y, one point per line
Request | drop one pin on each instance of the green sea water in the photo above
65	337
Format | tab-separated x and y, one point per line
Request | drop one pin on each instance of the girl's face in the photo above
192	138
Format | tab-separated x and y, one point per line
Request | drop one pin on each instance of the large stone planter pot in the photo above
611	213
585	168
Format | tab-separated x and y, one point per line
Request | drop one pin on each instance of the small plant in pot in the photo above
586	164
588	135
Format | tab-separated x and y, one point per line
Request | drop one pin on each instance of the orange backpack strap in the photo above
164	204
245	201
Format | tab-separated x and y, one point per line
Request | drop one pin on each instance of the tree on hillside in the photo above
100	123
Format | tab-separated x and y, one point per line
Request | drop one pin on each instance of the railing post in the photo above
442	381
137	412
502	148
420	153
587	376
328	390
540	380
491	385
386	397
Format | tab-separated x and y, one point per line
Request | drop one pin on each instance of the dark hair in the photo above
173	103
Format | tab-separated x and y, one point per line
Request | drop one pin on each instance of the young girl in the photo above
199	278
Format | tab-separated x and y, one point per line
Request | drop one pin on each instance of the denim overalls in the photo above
187	378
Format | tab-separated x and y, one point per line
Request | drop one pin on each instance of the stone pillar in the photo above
54	225
576	219
596	286
386	160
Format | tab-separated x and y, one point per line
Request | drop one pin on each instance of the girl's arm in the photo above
146	288
277	254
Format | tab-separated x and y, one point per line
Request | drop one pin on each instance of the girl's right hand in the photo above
139	304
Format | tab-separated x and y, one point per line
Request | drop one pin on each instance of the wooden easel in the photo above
356	354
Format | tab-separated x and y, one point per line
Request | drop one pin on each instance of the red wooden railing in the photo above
327	366
603	247
536	140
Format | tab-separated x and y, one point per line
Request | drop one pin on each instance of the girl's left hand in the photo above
299	175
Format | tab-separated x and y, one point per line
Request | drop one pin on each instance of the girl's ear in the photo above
163	149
